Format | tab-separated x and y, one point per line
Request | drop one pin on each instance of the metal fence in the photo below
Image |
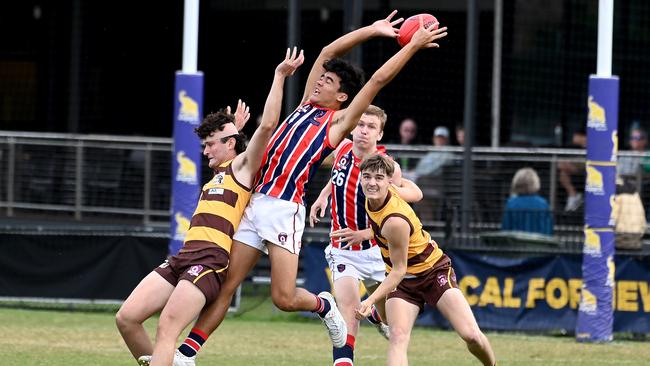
118	179
85	177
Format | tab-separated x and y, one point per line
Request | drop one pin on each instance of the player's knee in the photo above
123	320
165	327
471	336
399	335
284	300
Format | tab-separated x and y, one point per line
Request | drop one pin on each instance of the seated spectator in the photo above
408	130
630	165
526	210
628	214
433	162
427	174
567	169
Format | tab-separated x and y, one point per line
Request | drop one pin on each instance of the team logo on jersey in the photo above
343	162
319	114
340	268
189	109
282	237
164	264
195	270
186	169
442	280
218	179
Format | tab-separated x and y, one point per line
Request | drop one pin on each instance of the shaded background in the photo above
108	67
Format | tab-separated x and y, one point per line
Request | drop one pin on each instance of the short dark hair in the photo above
214	122
378	163
352	77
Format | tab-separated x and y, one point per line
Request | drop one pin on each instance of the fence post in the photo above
11	175
78	180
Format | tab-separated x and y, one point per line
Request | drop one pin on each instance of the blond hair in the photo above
373	110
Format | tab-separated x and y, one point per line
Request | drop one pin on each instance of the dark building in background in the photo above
108	67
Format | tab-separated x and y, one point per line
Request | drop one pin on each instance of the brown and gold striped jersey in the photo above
423	252
218	212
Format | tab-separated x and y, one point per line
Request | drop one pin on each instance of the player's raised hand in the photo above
386	27
291	62
242	114
425	37
317	209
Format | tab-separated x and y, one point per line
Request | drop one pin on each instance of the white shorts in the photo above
364	265
270	219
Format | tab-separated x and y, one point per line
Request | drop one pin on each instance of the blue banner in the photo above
186	165
595	319
538	293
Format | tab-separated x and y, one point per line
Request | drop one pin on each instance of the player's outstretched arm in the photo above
251	159
318	208
346	120
397	231
342	45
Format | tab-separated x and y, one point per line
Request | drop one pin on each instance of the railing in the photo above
123	179
90	177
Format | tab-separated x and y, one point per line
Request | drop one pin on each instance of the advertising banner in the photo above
530	292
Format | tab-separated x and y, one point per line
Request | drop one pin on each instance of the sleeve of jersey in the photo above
329	119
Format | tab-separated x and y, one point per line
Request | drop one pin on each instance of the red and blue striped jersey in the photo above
348	201
296	150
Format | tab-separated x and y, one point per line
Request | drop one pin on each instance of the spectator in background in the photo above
526	210
630	165
460	134
433	162
408	130
628	214
567	169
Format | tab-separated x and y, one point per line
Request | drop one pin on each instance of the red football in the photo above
411	25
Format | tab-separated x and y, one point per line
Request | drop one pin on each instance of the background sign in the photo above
186	167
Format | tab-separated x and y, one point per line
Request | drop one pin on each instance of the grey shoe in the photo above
573	202
383	329
333	320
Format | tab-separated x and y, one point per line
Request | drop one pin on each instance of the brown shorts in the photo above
429	287
205	268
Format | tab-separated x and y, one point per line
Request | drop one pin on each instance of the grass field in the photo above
265	337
